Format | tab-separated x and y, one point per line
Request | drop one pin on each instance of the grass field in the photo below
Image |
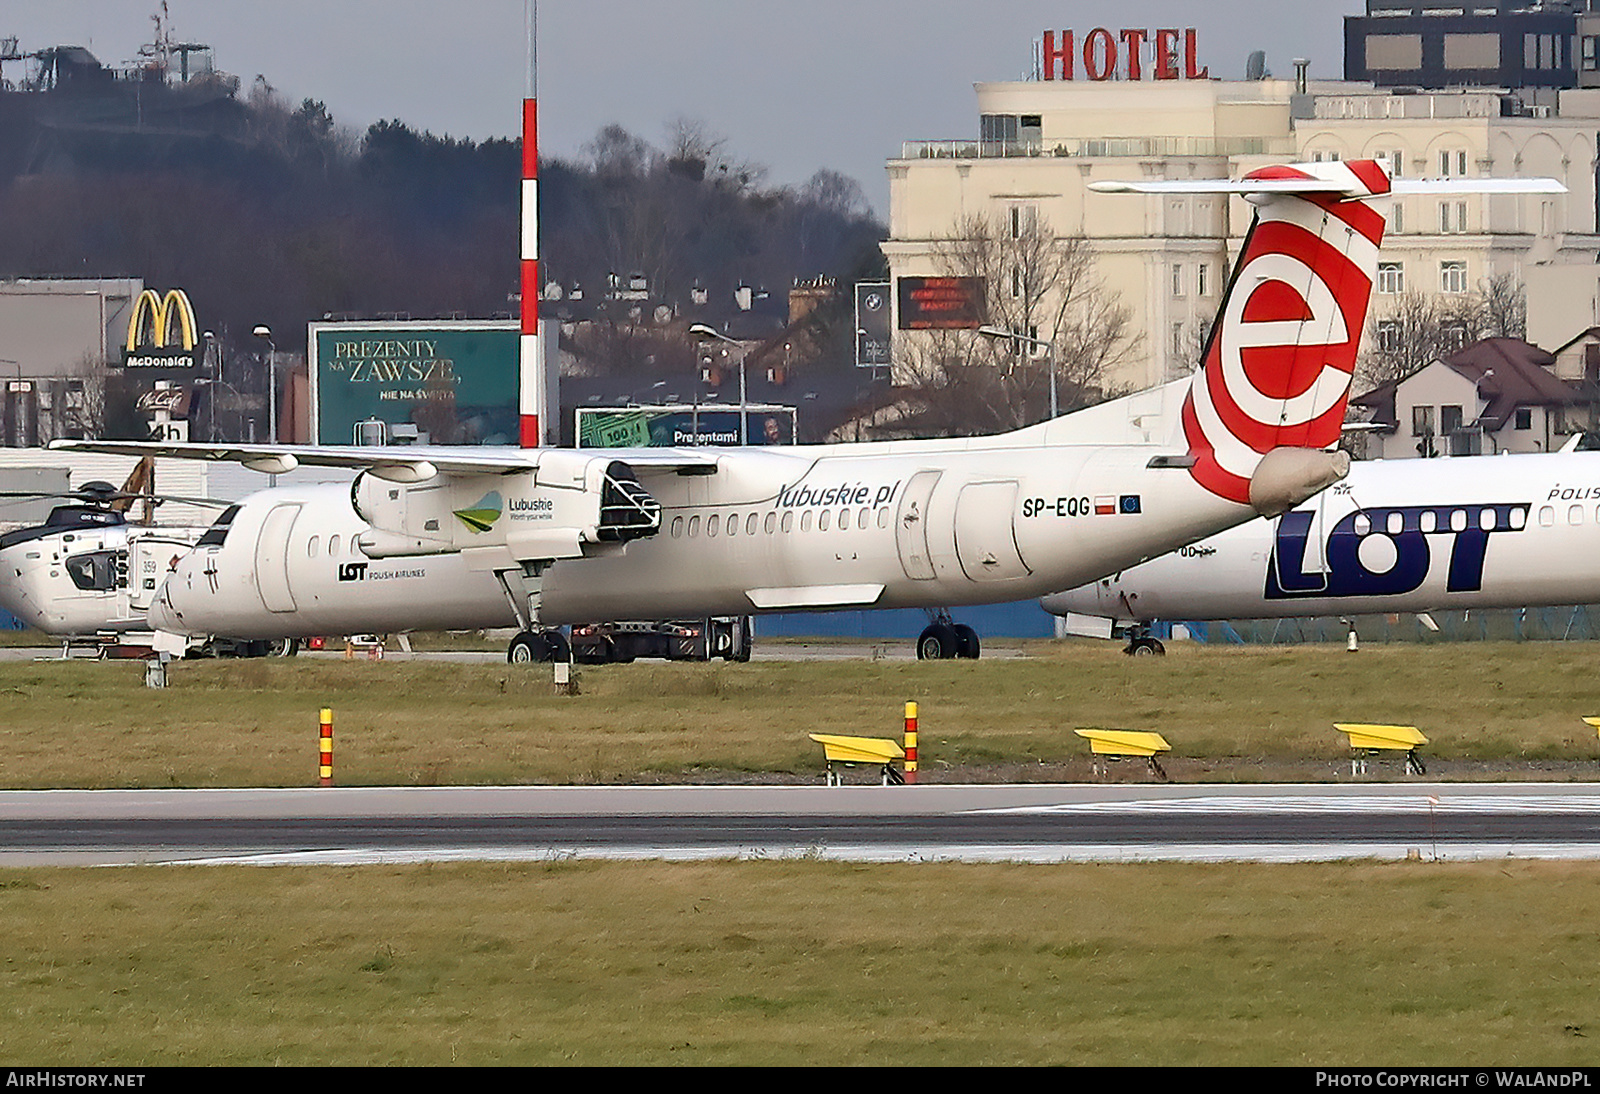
802	962
1490	709
796	961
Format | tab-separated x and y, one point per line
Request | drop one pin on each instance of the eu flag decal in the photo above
1128	503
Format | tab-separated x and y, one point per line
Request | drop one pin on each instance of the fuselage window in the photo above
1396	523
750	525
694	526
883	517
333	546
861	521
1575	515
771	523
1458	520
311	547
822	520
788	523
844	519
1486	519
1547	516
805	521
713	525
733	524
677	527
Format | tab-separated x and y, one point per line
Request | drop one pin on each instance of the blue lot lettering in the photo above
1462	526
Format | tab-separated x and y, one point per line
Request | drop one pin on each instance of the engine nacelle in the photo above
567	505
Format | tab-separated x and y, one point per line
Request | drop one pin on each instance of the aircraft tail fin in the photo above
1276	370
1277	367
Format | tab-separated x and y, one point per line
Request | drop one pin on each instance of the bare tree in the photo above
1420	328
1039	285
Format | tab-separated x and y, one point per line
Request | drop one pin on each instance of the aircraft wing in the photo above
411	463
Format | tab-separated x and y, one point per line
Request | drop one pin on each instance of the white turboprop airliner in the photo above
1394	536
571	536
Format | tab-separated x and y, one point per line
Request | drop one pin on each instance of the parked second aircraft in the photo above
1394	536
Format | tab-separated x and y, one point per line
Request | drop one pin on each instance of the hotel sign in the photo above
1164	54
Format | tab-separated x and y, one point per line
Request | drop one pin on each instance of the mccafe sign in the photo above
1101	54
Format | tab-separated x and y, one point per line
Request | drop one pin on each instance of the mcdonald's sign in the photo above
161	331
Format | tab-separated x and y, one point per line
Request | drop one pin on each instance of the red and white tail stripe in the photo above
1277	369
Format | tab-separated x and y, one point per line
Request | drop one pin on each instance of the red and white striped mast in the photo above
530	373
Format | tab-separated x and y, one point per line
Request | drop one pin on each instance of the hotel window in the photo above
1524	418
1453	216
1177	339
1202	281
1177	279
1397	218
1024	219
1391	277
1389	335
1452	277
1453	162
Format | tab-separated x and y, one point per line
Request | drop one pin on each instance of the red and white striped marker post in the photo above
530	375
911	744
325	770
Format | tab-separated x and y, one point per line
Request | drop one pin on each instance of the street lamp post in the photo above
264	331
704	333
1050	354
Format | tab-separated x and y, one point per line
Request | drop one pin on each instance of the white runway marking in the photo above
1390	803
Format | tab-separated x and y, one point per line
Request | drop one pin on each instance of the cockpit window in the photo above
219	531
94	570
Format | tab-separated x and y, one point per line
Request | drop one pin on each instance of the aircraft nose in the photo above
162	615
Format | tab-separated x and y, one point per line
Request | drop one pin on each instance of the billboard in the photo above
682	426
451	381
872	324
941	303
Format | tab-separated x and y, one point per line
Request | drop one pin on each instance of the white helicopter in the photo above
88	574
572	536
1411	536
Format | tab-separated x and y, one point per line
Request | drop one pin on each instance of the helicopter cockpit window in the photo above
219	531
93	571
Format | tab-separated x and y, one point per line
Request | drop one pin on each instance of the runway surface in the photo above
1032	823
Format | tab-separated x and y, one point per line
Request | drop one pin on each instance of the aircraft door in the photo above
911	526
986	542
272	558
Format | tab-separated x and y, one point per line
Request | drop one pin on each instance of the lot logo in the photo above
1385	551
161	331
353	571
481	516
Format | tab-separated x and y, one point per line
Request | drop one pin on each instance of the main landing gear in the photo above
524	589
943	639
1141	644
530	646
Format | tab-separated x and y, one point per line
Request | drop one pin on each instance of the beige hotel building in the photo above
1041	142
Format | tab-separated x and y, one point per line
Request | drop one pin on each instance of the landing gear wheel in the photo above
937	642
966	641
526	648
531	646
744	643
286	647
1145	647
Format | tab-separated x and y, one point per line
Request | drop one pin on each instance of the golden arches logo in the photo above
166	312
